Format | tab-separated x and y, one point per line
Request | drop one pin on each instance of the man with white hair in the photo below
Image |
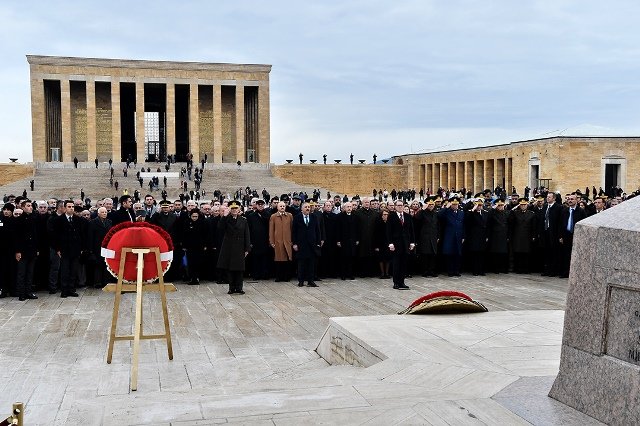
96	231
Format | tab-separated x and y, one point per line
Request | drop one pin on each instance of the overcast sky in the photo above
389	77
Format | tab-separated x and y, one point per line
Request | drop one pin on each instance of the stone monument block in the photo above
600	361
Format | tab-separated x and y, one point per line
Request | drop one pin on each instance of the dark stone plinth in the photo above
337	161
289	161
313	161
361	161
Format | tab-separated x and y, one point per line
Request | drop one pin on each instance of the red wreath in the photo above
444	293
137	235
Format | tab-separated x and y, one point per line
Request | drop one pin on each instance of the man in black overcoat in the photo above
236	243
549	227
427	235
258	221
347	240
26	251
68	245
476	232
306	237
125	213
96	231
401	239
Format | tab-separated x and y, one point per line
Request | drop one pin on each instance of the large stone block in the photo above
600	361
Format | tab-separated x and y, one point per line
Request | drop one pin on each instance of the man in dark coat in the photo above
498	235
236	243
258	221
347	240
68	246
125	213
570	215
167	220
367	219
401	240
305	236
328	259
26	251
451	217
426	228
522	235
96	231
476	236
549	227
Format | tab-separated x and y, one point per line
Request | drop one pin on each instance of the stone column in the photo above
65	110
468	175
140	152
452	175
460	175
264	153
487	177
91	118
116	133
240	145
194	123
478	179
38	121
171	118
217	123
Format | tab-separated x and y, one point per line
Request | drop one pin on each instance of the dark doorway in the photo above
535	176
155	107
128	121
611	178
182	121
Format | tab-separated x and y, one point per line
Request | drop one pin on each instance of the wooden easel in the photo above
139	288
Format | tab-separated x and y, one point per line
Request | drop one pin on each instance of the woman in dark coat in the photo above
193	243
236	243
381	244
427	230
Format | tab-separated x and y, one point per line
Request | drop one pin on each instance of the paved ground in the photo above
238	359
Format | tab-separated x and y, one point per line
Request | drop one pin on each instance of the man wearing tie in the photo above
305	237
68	247
401	242
549	229
570	216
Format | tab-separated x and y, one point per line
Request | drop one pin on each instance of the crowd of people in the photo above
55	245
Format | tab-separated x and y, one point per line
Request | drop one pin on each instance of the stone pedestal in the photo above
600	362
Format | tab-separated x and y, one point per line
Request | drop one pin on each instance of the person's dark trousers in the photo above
453	264
24	275
347	267
366	266
327	263
68	273
551	254
283	271
54	270
565	254
399	265
100	273
235	280
521	263
477	262
173	274
193	260
41	277
259	266
306	270
499	263
429	263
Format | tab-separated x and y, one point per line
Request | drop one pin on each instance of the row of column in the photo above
194	128
474	175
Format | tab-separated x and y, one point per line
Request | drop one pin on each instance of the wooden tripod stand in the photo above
139	288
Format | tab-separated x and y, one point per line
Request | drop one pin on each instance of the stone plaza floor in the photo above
252	359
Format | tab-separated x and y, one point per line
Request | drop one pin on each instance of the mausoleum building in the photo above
89	108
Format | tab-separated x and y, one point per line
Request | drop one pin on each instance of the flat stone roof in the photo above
144	64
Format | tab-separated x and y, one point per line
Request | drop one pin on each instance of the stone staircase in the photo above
62	180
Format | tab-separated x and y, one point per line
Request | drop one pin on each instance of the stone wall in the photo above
12	172
570	163
348	179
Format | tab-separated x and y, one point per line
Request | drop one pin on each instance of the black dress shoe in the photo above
230	292
31	296
395	287
73	294
64	295
53	291
403	287
240	292
22	299
301	284
312	284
